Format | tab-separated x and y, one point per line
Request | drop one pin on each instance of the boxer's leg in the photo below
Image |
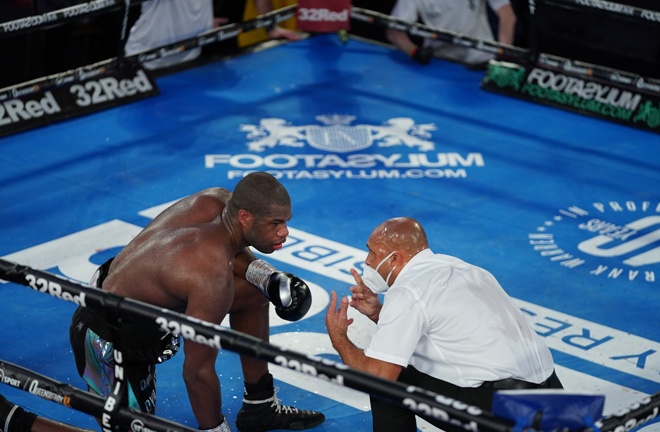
261	410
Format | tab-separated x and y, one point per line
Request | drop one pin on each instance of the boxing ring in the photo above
562	208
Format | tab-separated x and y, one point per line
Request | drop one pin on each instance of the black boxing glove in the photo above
290	295
422	55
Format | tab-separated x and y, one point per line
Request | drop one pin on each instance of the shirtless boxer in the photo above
194	258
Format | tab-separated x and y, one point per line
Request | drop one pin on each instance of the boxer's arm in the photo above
202	384
208	297
242	260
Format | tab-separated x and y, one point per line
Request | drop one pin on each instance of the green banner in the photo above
634	102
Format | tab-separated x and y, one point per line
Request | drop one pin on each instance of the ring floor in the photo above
562	208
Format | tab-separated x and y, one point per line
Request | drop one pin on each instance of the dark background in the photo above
578	33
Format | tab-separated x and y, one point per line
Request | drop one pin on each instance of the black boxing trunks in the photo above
93	341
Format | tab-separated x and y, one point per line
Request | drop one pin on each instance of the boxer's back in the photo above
154	266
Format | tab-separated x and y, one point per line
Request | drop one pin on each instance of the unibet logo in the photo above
617	240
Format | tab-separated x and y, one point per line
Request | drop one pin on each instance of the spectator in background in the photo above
274	32
163	22
467	17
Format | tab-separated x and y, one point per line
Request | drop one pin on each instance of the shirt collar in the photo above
414	260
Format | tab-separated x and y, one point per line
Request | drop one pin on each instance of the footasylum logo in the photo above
613	240
634	102
345	151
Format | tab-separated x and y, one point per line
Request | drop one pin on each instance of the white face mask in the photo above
374	280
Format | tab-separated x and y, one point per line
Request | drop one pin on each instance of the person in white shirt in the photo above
164	22
467	17
444	325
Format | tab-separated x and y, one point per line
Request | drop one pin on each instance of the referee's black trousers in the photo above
389	417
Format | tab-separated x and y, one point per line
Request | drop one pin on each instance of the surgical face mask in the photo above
374	280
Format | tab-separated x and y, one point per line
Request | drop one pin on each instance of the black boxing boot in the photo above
15	418
262	410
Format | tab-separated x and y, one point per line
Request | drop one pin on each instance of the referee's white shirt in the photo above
453	321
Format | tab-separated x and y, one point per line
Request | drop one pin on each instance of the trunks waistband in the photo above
145	342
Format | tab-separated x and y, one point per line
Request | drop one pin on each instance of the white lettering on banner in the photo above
337	136
321	14
354	161
138	426
595	343
15	110
416	31
14	382
355	166
610	232
110	88
44	393
626	241
188	332
86	8
83	75
650	15
357	174
641	83
27	22
54	289
609	6
585	89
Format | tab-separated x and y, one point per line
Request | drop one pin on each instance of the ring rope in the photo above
613	8
636	415
419	401
104	67
423	30
21	25
624	79
215	35
415	399
80	400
